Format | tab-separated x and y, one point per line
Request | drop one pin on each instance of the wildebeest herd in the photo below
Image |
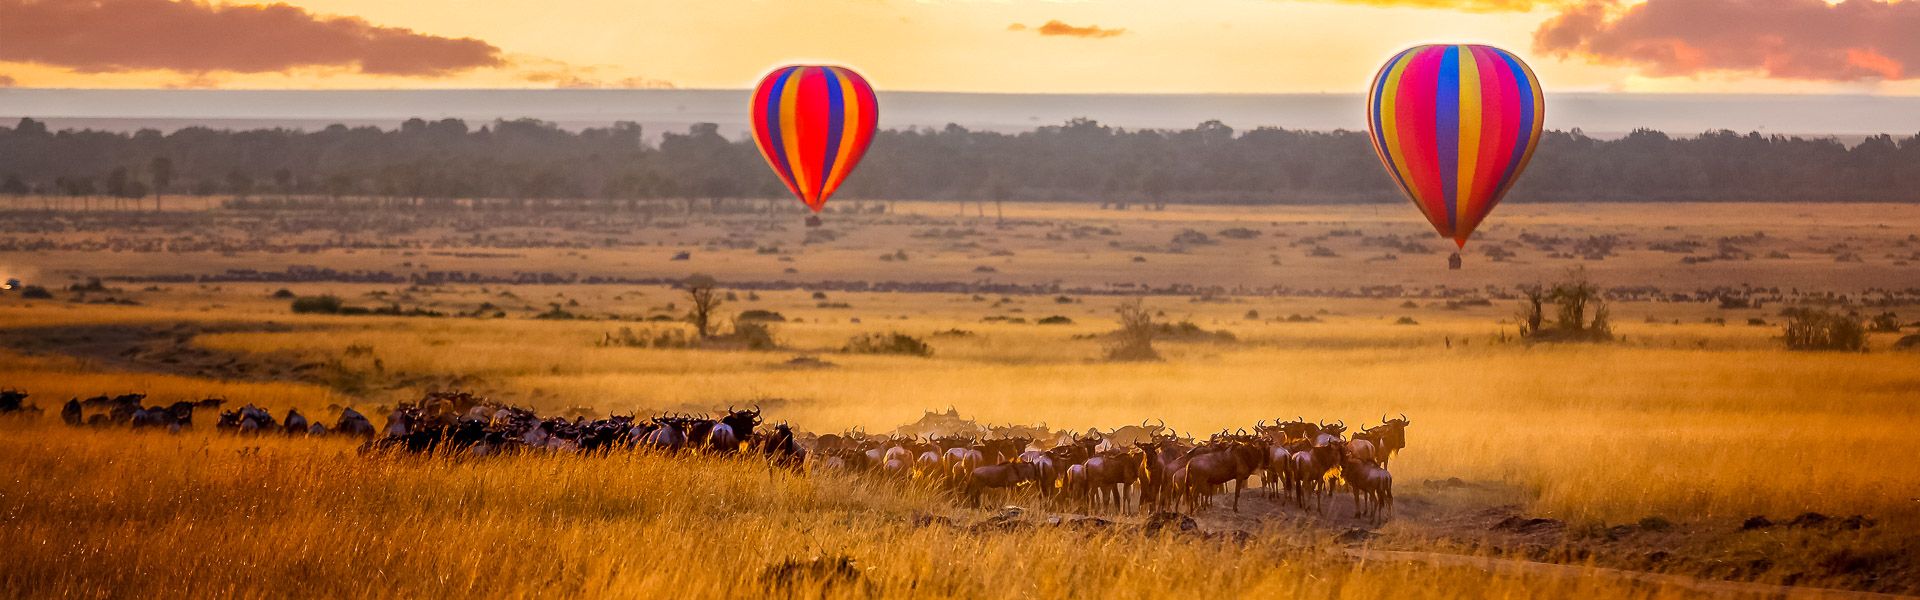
1130	468
1143	466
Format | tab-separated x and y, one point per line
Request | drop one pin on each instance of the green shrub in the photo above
323	305
887	343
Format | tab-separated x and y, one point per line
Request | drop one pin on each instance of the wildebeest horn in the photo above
756	408
1343	423
1383	417
1163	422
1403	417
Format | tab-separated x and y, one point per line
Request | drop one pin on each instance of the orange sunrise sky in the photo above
1117	46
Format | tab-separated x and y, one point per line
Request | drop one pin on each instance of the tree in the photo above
1573	298
702	291
1134	340
160	170
283	181
239	183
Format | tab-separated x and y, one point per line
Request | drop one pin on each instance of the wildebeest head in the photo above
12	400
742	421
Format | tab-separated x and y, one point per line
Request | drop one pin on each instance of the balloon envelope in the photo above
1455	125
813	124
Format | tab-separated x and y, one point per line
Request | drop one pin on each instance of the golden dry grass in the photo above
116	514
1691	421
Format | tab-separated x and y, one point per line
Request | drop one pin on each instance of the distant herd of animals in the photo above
1137	467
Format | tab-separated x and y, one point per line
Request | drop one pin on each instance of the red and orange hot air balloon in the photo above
1455	125
813	124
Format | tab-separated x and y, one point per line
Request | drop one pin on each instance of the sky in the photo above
1005	46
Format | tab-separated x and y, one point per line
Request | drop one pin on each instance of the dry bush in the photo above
887	343
1573	299
1817	329
1134	340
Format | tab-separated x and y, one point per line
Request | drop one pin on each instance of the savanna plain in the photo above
1692	454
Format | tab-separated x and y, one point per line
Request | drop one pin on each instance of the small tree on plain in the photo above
1574	298
1134	340
703	294
1817	329
161	172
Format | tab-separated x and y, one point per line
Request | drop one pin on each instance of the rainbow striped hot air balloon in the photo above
813	124
1455	125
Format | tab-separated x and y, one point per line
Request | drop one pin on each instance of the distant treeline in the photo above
532	163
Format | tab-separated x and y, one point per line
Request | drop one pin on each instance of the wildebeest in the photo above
1109	477
15	401
71	413
1004	475
1388	438
733	429
1372	486
1308	473
296	423
782	449
1228	458
247	419
667	437
353	423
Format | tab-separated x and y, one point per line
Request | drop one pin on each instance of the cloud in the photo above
1473	6
100	36
1784	39
1057	28
534	69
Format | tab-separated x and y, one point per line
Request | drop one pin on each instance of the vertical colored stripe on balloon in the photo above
1414	107
836	125
1467	152
1385	138
867	120
1523	137
848	124
1498	114
1446	128
790	131
813	131
773	144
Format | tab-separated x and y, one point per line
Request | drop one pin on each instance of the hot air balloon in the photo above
1455	125
813	124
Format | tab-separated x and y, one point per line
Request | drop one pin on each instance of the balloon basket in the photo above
813	220
1453	262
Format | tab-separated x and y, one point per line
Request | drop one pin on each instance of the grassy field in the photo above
1692	416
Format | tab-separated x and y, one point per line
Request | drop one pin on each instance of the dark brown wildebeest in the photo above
71	413
15	401
1309	474
1109	478
781	449
1046	471
731	430
1227	459
317	430
353	423
1372	486
667	437
1004	475
296	423
153	418
1390	437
